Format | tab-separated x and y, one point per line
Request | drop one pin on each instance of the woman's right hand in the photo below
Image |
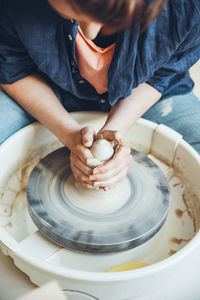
81	155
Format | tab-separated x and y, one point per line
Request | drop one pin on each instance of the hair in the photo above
120	13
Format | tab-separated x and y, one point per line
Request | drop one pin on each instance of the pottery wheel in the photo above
119	220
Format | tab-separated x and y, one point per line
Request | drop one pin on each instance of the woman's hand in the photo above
81	155
107	175
113	171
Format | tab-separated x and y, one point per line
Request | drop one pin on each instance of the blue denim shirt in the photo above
35	38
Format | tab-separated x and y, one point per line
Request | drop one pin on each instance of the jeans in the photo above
181	113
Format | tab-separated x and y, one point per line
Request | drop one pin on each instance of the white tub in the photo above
173	254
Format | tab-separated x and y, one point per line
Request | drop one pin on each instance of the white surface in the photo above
13	282
50	291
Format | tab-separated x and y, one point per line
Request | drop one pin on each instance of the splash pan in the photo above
171	253
62	216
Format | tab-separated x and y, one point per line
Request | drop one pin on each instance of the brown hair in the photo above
120	13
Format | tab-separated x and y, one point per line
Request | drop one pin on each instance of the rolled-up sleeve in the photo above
175	70
15	63
169	47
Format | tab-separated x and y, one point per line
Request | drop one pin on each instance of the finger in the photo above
121	151
87	136
111	135
119	138
112	182
83	153
87	185
76	162
106	134
111	174
113	166
121	156
80	177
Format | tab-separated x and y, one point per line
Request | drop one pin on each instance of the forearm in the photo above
36	97
127	111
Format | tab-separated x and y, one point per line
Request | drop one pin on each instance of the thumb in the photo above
119	138
88	135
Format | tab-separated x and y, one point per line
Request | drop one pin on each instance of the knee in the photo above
12	117
191	133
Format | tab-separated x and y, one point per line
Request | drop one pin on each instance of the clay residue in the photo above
56	251
176	184
161	158
19	203
171	252
22	172
191	202
26	171
139	147
179	213
190	199
171	176
177	241
42	151
9	225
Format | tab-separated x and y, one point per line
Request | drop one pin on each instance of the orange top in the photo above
93	61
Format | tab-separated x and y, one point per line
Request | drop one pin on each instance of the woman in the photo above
127	57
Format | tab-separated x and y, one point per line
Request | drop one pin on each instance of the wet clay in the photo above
56	251
177	241
171	252
190	199
19	203
179	213
191	202
100	201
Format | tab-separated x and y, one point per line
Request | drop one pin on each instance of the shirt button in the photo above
102	101
70	37
72	62
81	81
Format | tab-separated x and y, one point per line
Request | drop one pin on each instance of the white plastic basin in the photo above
173	254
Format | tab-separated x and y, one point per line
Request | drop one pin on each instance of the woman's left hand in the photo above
113	171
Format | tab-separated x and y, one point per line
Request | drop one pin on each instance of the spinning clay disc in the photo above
97	221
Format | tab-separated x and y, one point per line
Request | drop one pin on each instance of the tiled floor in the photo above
195	74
